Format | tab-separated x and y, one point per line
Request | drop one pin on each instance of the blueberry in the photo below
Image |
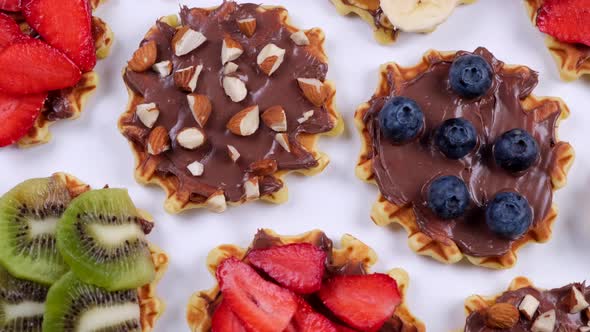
401	119
448	197
470	76
455	138
516	150
509	215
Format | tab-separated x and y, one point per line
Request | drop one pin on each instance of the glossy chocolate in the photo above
554	299
220	172
404	171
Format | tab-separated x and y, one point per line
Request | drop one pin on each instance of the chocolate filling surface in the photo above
403	172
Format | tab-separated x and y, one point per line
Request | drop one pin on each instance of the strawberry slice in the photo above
298	267
307	320
224	320
259	304
10	5
566	20
9	30
18	115
65	25
31	66
364	302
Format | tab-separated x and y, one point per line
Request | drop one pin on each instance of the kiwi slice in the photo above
73	305
29	215
102	238
22	304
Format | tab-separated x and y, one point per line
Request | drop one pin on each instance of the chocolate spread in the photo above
220	172
554	299
403	172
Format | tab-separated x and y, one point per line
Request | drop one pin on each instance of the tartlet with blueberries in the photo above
465	157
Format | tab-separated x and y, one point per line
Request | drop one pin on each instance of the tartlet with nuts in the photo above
524	307
225	102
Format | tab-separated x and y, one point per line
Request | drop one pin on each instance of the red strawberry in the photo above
10	5
65	25
17	115
224	320
307	320
298	267
261	305
9	30
341	328
566	20
31	66
364	302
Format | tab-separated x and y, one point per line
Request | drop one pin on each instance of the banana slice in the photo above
418	15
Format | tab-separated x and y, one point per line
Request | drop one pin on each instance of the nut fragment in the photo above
270	58
190	138
247	26
230	50
196	168
501	316
263	167
528	306
245	122
252	188
216	202
300	38
144	57
230	68
234	88
275	118
158	141
186	78
545	322
576	301
584	329
186	40
147	113
587	314
306	116
200	106
314	90
233	153
164	68
283	140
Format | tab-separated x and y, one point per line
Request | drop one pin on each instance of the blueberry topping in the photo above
448	197
516	150
455	138
470	76
401	119
509	215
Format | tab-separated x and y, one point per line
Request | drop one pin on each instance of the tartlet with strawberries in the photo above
301	283
48	50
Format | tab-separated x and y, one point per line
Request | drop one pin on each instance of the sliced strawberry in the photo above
364	302
341	328
307	320
31	66
298	267
224	320
65	25
9	31
18	115
260	304
566	20
10	5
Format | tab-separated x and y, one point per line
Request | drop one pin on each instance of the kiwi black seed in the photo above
102	238
29	215
73	305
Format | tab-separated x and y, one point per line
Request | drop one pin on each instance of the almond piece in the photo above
545	322
270	58
314	90
164	68
245	122
230	50
306	116
147	113
158	141
196	168
587	313
186	40
216	202
283	140
528	306
247	26
300	38
186	78
501	316
230	68
252	188
233	153
190	138
235	89
201	108
144	57
577	301
584	329
275	118
264	167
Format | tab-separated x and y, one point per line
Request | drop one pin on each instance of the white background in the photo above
335	201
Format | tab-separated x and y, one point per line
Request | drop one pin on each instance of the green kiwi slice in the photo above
102	238
22	304
73	305
29	215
